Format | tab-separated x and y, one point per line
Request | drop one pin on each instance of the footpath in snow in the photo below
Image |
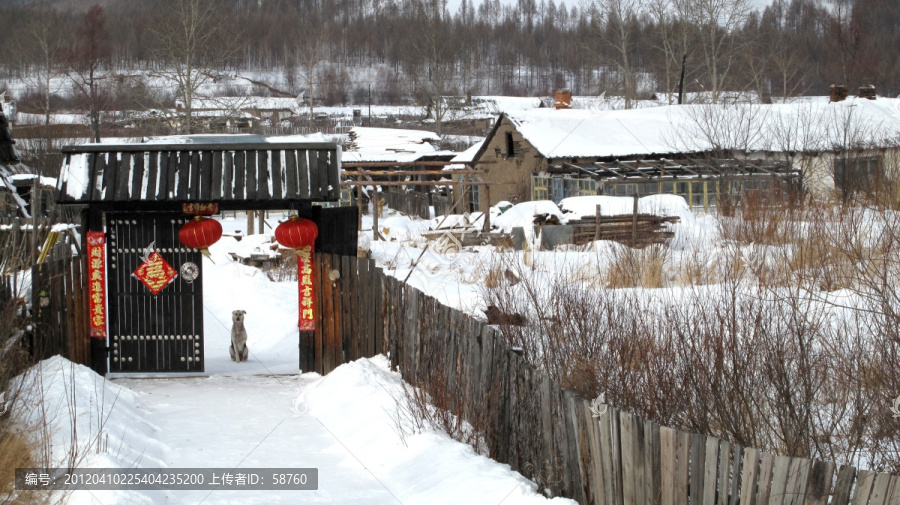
262	414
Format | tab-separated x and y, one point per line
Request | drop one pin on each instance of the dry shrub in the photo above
436	403
646	268
772	366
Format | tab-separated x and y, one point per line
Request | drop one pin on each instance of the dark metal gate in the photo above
147	332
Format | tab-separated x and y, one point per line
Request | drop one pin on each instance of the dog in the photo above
238	349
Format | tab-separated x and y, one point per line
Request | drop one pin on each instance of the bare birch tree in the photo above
612	25
195	39
716	22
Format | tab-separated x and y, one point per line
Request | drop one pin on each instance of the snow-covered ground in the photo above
263	413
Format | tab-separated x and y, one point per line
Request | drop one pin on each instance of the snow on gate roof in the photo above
209	168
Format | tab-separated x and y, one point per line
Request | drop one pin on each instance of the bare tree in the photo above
430	57
612	26
308	48
717	22
85	63
671	18
40	52
195	38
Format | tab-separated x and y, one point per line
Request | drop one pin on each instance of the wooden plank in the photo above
321	188
334	181
682	464
194	180
880	489
734	492
277	174
109	176
137	190
843	485
724	471
206	181
303	174
251	172
240	174
152	189
818	485
263	177
185	162
215	181
228	170
795	492
172	175
651	468
710	467
749	474
375	318
101	170
164	176
123	177
291	188
667	465
766	465
626	424
351	349
894	498
779	480
698	464
865	481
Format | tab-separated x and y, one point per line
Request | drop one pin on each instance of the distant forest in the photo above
416	49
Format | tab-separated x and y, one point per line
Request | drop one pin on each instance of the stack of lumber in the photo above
638	230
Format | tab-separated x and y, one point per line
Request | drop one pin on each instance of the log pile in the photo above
632	230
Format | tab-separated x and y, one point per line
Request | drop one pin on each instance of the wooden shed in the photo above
135	196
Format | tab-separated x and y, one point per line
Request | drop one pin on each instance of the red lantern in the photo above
300	235
296	232
200	233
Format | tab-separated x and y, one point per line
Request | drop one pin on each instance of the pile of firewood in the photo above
632	230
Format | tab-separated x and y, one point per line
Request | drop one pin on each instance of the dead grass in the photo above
633	268
14	453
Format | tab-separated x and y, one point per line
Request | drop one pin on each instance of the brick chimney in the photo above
563	99
867	91
839	92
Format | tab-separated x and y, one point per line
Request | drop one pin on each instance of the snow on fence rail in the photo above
545	432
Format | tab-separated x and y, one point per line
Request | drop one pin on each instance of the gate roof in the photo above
238	171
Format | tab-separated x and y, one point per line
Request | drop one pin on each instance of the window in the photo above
540	188
857	174
510	145
474	199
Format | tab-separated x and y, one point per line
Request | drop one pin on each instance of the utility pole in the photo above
681	81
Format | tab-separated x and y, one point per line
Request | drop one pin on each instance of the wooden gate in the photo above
147	332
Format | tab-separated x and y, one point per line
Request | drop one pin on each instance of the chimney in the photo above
867	91
839	93
563	99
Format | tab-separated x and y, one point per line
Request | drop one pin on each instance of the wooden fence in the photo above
411	203
545	432
59	307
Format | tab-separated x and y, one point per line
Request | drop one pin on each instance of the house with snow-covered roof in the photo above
703	152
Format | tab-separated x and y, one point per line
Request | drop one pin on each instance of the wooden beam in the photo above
424	183
388	164
375	173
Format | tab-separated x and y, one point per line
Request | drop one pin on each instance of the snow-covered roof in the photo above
390	145
230	138
243	102
468	156
807	126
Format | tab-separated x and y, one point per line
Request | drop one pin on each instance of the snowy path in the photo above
230	422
